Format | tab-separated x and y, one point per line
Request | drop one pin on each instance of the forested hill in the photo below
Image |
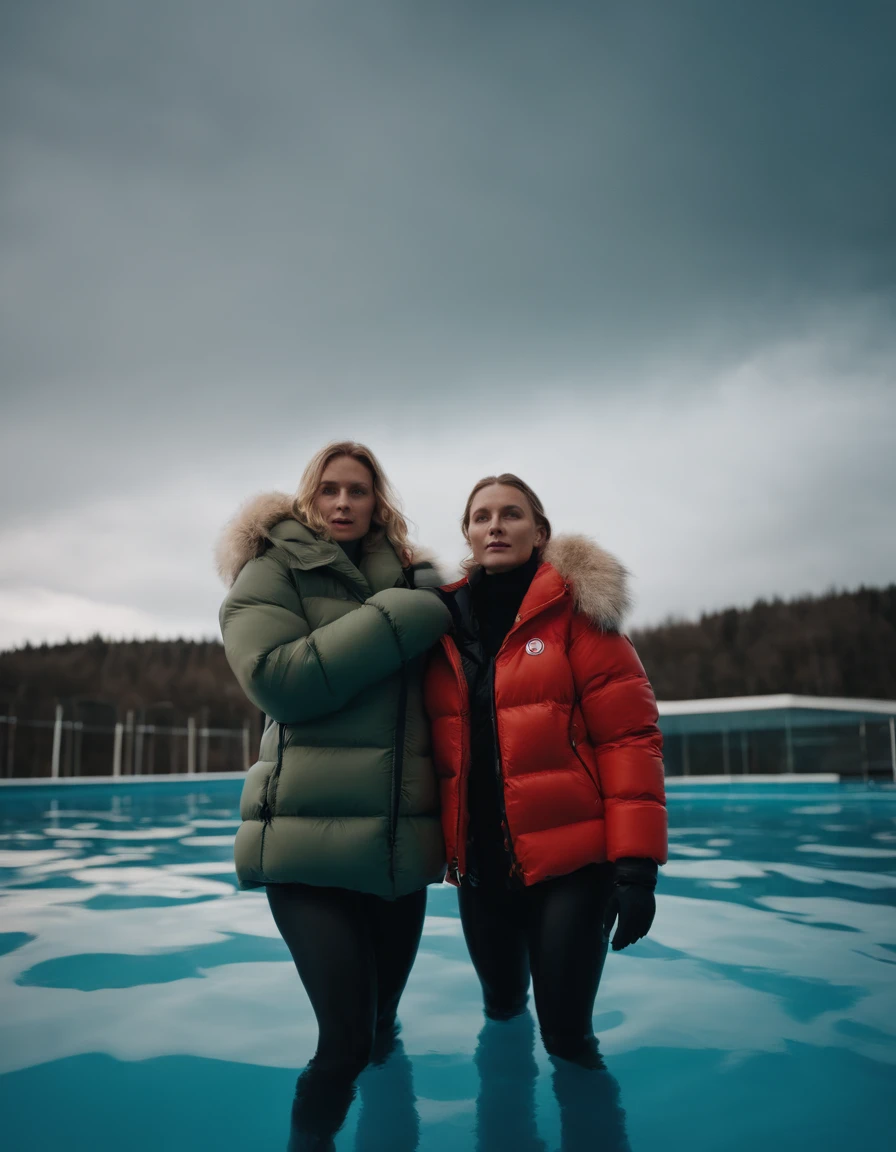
183	677
842	644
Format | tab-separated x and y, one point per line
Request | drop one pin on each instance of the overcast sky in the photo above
642	253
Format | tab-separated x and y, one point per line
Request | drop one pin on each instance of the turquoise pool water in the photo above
146	1004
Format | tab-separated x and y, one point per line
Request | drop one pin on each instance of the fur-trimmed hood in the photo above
248	534
598	581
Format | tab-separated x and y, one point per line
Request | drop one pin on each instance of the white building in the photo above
744	735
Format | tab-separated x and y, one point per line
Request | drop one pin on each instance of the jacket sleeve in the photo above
294	673
619	710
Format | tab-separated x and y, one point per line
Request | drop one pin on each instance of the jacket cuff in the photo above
636	870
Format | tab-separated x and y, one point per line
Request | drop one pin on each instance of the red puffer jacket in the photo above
579	747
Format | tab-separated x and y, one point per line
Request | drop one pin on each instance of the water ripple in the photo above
125	940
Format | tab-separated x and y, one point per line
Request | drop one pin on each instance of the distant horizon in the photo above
669	622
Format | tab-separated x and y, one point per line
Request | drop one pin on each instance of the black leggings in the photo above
353	952
553	930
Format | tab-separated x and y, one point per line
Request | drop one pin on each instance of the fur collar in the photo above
598	581
248	535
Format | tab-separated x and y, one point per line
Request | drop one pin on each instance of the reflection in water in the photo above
132	961
388	1121
319	1109
505	1108
591	1116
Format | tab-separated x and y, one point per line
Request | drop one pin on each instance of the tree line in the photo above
161	681
839	644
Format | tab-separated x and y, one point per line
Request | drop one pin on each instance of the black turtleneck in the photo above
496	601
352	550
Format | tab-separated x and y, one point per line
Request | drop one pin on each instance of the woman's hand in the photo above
632	901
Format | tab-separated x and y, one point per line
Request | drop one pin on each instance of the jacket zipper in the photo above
575	747
270	792
463	778
398	743
515	869
581	760
397	767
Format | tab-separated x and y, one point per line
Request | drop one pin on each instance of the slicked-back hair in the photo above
511	481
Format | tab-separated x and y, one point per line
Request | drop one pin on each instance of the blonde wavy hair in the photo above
511	481
387	521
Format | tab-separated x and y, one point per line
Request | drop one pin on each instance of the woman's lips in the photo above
496	547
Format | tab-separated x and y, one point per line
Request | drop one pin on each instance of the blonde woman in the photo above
324	627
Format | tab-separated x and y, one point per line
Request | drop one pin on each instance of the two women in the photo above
546	748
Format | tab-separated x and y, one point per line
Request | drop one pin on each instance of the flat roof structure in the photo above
719	714
803	734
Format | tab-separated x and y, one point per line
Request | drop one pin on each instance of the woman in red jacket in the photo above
546	744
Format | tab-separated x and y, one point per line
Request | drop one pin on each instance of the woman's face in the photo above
345	498
502	529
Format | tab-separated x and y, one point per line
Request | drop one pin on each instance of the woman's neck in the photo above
522	574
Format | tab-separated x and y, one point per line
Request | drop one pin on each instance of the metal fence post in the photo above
57	742
863	748
116	749
11	744
191	745
893	745
129	742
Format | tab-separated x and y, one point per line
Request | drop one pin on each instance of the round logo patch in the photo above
535	647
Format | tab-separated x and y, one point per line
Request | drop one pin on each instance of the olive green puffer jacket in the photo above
344	792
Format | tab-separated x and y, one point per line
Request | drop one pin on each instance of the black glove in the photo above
632	900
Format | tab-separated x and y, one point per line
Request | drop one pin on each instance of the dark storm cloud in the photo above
394	193
232	231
